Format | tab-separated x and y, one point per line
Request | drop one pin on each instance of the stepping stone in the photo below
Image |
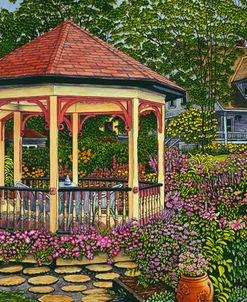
10	269
107	276
77	278
55	298
132	273
11	281
68	269
102	284
125	265
121	257
93	291
36	270
99	268
97	298
41	289
73	288
42	280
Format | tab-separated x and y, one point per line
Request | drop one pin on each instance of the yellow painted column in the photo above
75	148
54	177
2	153
133	162
161	155
17	147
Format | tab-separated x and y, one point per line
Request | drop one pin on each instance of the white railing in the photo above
232	136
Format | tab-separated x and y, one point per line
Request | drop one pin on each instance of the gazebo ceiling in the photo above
70	54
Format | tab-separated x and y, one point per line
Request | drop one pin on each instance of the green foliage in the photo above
17	28
194	42
10	296
194	126
220	266
238	294
238	249
104	152
8	171
162	297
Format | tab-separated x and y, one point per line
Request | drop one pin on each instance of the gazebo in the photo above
68	75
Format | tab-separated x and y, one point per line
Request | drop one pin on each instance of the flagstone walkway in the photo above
70	283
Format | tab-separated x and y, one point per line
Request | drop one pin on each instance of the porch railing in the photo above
232	136
100	202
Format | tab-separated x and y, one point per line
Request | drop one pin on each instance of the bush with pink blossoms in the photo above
192	264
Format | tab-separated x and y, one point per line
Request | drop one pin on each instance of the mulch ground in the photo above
138	292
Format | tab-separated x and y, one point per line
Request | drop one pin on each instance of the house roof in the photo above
240	67
70	51
27	133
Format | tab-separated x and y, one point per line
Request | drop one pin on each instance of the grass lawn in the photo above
221	157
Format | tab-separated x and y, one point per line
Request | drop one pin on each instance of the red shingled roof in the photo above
28	133
70	50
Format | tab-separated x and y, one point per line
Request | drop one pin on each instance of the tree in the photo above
193	42
35	17
188	126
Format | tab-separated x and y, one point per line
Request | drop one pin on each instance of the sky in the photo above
6	4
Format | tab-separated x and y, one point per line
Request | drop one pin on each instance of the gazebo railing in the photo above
100	206
97	202
24	208
149	200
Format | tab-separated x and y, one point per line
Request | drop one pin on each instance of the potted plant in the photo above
194	284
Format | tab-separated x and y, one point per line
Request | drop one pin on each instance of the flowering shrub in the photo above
119	171
211	197
194	126
191	264
155	247
217	148
33	172
237	224
46	247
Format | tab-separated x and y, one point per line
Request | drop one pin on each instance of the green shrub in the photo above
238	249
8	171
238	294
13	297
162	297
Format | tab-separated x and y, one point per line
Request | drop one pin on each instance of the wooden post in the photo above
133	161
225	127
161	155
17	147
2	153
75	148
54	177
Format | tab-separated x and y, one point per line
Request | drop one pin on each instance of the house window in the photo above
108	126
173	104
229	124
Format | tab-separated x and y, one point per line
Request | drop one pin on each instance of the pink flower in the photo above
237	224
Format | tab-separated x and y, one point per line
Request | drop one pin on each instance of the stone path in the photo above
69	283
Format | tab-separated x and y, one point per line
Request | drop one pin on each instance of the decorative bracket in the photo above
147	107
64	102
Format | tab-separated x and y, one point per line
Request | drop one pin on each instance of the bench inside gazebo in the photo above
68	75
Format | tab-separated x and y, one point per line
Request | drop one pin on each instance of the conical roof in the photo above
72	52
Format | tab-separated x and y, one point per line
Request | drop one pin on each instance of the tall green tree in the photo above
193	42
35	17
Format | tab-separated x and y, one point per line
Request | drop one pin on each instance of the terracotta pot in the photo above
195	289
